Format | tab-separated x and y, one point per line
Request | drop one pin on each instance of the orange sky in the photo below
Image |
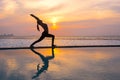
64	17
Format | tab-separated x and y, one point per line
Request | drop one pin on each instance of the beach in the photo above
67	64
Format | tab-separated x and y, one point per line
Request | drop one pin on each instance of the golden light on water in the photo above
12	64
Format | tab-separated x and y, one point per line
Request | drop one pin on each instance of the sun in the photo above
54	26
54	21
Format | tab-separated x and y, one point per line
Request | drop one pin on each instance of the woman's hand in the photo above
32	14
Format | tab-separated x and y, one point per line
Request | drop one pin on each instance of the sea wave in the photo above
60	41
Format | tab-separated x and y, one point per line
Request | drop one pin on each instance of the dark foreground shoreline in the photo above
86	46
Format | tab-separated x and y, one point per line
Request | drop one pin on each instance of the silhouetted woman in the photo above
45	32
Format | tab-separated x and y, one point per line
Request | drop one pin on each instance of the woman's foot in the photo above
31	46
53	46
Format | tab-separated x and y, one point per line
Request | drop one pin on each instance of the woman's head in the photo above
39	21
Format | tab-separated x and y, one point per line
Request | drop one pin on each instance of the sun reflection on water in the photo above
70	64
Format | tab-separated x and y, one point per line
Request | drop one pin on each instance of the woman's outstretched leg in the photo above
40	39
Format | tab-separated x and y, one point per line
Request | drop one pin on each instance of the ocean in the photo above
60	41
98	63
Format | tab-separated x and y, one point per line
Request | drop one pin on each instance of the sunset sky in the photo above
64	17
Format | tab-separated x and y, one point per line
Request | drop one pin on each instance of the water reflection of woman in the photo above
45	61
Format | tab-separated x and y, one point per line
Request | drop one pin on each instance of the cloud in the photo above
45	4
111	5
8	7
86	9
75	14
